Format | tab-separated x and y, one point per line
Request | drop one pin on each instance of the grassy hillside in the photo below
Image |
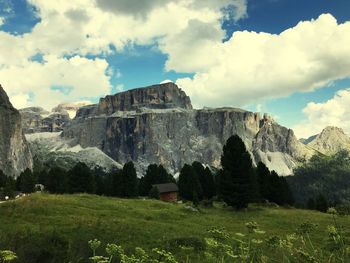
42	226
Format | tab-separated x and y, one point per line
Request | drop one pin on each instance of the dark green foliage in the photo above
129	180
321	203
206	180
236	180
155	174
263	176
311	204
7	185
154	193
189	185
81	179
26	182
57	181
326	175
273	188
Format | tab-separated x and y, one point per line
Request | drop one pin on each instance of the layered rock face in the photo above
158	125
329	141
36	119
15	155
162	96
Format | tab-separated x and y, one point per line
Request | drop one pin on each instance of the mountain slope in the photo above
330	141
15	155
51	149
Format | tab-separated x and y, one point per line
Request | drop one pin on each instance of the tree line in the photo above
237	182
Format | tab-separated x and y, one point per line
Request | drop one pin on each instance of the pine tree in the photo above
236	175
26	181
321	203
81	179
189	183
263	176
129	180
210	183
57	181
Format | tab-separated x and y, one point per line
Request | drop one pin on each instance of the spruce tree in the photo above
81	179
210	183
263	176
189	185
129	180
57	181
236	175
26	181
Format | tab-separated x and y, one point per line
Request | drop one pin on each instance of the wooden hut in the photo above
167	192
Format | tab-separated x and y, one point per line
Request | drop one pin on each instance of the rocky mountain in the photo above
157	124
36	119
15	155
329	141
50	149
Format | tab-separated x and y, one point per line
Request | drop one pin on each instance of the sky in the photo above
289	58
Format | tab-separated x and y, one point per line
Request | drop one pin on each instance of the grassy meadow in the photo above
57	228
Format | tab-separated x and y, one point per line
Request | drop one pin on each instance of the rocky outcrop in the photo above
330	141
36	119
158	125
15	155
162	96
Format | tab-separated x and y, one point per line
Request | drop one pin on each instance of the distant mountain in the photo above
15	155
36	119
331	140
157	124
50	149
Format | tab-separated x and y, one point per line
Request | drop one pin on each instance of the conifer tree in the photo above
189	185
129	180
26	181
236	175
81	179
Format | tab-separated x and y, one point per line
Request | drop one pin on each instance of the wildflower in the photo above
252	226
332	211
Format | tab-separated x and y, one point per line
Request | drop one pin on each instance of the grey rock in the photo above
15	155
158	125
330	140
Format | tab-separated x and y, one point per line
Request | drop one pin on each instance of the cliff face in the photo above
158	125
36	119
162	96
15	155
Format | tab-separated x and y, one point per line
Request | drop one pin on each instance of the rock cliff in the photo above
15	155
36	119
158	125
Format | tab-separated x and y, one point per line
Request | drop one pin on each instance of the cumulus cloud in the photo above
251	66
334	112
57	80
68	31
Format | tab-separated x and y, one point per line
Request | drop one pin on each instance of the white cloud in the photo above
2	21
334	112
32	83
253	66
80	27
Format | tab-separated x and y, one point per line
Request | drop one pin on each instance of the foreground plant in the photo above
115	253
7	256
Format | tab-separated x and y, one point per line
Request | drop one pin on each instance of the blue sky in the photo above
59	62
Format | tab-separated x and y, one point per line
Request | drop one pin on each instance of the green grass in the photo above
43	227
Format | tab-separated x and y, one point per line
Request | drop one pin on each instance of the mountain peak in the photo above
330	140
4	99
